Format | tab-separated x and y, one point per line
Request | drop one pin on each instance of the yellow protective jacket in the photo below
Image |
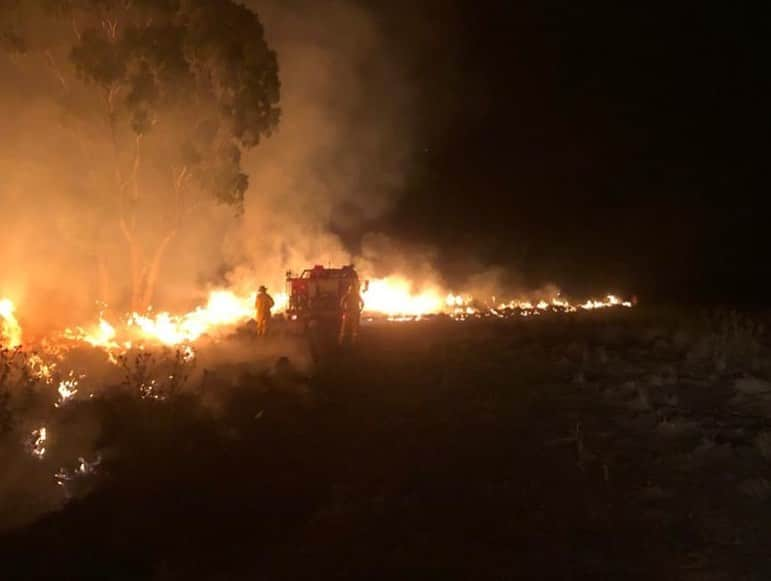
263	304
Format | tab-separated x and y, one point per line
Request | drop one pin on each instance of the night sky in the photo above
615	145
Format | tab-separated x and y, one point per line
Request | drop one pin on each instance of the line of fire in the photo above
311	297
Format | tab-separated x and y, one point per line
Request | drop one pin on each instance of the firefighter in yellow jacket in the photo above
262	305
351	305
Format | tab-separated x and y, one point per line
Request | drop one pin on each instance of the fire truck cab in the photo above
316	293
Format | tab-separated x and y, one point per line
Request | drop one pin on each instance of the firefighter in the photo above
262	305
351	305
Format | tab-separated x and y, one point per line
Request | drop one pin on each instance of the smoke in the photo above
62	250
338	160
335	165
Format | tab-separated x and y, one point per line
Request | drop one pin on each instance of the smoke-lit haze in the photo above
338	159
336	163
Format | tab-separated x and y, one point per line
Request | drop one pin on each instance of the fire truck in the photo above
316	293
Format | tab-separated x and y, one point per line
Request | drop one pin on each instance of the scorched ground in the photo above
628	443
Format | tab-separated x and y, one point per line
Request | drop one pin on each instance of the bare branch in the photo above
135	167
155	267
121	184
57	71
180	180
75	28
126	232
110	27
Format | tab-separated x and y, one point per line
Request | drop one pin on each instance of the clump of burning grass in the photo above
157	375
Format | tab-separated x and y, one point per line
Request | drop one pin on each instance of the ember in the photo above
68	388
37	443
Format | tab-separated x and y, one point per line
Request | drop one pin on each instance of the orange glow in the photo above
394	296
10	330
68	388
224	309
38	441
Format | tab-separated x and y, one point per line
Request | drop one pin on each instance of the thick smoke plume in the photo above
338	159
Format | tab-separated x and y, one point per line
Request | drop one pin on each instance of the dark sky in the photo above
619	144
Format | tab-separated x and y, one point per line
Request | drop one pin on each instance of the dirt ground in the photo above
615	445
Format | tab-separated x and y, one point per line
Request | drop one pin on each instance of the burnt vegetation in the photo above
625	443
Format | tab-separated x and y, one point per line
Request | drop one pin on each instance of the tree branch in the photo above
180	183
75	28
110	27
126	232
155	267
135	166
56	69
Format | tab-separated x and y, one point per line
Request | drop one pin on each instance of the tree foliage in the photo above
182	88
206	57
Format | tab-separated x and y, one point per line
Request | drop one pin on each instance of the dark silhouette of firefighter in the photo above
262	305
351	305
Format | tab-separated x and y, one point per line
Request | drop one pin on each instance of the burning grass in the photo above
394	298
10	330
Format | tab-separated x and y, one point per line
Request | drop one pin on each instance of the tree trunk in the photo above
137	274
105	294
153	269
144	275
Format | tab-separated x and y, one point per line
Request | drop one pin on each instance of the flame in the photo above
68	388
10	330
188	354
101	335
394	296
527	308
609	301
40	369
224	308
282	302
38	442
84	468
